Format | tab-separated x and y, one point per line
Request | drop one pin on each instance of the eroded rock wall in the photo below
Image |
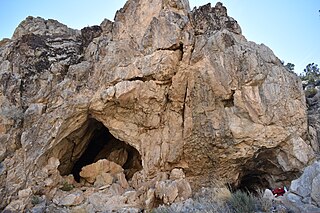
184	88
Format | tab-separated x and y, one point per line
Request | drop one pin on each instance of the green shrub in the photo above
35	200
242	202
67	187
311	92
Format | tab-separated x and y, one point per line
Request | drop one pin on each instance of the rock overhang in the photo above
194	94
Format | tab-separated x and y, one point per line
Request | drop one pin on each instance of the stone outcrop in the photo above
312	92
304	192
171	88
104	168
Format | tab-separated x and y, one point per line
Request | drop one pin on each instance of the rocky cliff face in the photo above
161	88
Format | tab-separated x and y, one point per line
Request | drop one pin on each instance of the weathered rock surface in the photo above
181	89
91	172
304	192
313	101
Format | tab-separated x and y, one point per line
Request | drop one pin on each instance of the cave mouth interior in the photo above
262	172
100	144
253	182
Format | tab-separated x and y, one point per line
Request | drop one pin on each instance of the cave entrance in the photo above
253	182
93	142
262	172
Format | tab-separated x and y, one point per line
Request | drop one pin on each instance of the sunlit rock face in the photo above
172	88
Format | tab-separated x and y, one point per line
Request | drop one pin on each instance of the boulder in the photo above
25	194
309	208
268	194
74	198
167	191
71	200
150	199
122	180
92	171
304	192
303	185
38	208
103	179
315	192
105	202
177	174
170	191
184	189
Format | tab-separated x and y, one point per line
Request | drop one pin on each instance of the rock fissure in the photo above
184	105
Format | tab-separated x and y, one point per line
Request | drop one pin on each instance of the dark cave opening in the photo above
103	145
262	172
253	182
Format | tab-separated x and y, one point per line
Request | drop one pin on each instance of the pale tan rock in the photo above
104	187
71	199
3	151
115	168
79	209
103	179
170	191
177	174
15	206
40	26
133	197
122	180
53	164
150	199
105	202
74	198
26	193
182	88
184	189
90	172
167	191
89	191
302	151
49	182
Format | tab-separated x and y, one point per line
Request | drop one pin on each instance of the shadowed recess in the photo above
93	142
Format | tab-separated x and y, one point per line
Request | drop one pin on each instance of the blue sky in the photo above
291	28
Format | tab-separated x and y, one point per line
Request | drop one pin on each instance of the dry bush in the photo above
241	201
265	204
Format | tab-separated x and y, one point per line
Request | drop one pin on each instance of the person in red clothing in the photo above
279	191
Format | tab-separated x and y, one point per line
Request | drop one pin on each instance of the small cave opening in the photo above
230	101
262	172
92	142
253	182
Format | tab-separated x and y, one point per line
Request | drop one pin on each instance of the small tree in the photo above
289	66
311	72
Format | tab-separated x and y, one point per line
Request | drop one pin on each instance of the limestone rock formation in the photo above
172	88
304	193
312	91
